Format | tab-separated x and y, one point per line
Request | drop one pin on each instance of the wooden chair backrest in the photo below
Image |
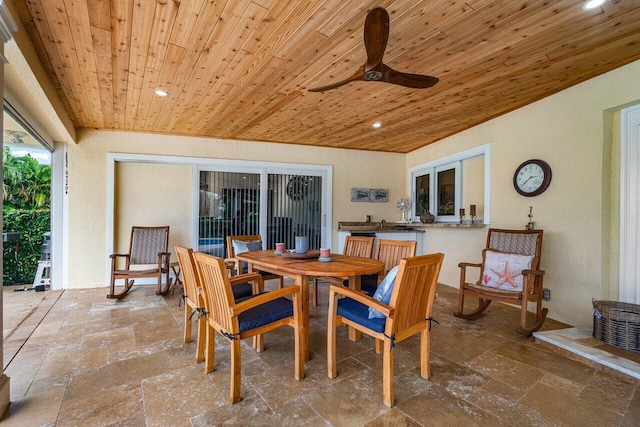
521	242
190	277
249	238
414	291
216	290
390	252
146	243
360	246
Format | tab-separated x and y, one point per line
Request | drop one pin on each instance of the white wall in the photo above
572	131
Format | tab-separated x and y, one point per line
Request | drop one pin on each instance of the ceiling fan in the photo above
376	34
14	136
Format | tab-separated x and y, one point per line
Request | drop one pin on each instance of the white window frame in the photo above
454	160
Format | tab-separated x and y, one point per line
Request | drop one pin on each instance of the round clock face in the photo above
297	187
532	177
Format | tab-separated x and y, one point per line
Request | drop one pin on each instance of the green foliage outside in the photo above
25	209
19	265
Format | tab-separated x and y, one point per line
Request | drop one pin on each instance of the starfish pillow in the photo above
503	270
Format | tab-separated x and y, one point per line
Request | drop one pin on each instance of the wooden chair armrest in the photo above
263	298
233	262
164	258
119	255
361	298
469	264
242	278
533	272
257	284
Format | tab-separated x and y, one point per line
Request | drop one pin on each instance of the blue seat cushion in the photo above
265	314
242	290
359	313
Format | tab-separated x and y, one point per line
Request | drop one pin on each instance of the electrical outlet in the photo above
546	294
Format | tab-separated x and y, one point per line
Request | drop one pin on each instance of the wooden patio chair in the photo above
390	252
407	313
509	272
148	246
194	302
245	244
358	246
251	317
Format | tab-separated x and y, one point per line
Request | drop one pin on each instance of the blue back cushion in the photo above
241	246
383	293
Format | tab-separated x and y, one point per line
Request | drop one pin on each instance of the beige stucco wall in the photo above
149	194
572	131
87	197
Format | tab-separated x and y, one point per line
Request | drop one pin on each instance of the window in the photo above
445	186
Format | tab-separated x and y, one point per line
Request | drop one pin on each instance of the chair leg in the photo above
258	343
188	311
387	374
331	337
425	348
160	290
540	318
379	346
235	392
200	342
281	282
210	350
128	284
314	284
482	306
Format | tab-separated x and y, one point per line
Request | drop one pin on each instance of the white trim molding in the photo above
629	290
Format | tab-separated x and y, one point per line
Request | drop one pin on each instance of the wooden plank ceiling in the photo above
240	69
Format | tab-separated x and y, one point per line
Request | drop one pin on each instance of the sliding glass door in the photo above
234	203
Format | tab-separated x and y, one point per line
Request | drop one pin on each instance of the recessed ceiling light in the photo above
592	4
377	125
161	93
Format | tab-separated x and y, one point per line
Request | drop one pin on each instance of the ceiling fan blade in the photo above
359	75
416	81
376	35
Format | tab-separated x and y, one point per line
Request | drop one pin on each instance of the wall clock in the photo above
297	187
532	177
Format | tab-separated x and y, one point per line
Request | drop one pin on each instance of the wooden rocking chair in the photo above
504	247
147	246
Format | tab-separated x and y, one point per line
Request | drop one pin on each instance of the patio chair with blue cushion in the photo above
194	302
239	244
400	308
390	252
249	318
358	246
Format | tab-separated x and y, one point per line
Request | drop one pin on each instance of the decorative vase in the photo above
427	218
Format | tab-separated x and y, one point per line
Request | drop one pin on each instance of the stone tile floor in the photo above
76	358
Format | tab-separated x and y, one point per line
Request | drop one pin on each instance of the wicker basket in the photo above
617	323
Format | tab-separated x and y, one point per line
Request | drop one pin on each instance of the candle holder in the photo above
473	218
461	218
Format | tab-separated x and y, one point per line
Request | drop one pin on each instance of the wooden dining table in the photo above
302	270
